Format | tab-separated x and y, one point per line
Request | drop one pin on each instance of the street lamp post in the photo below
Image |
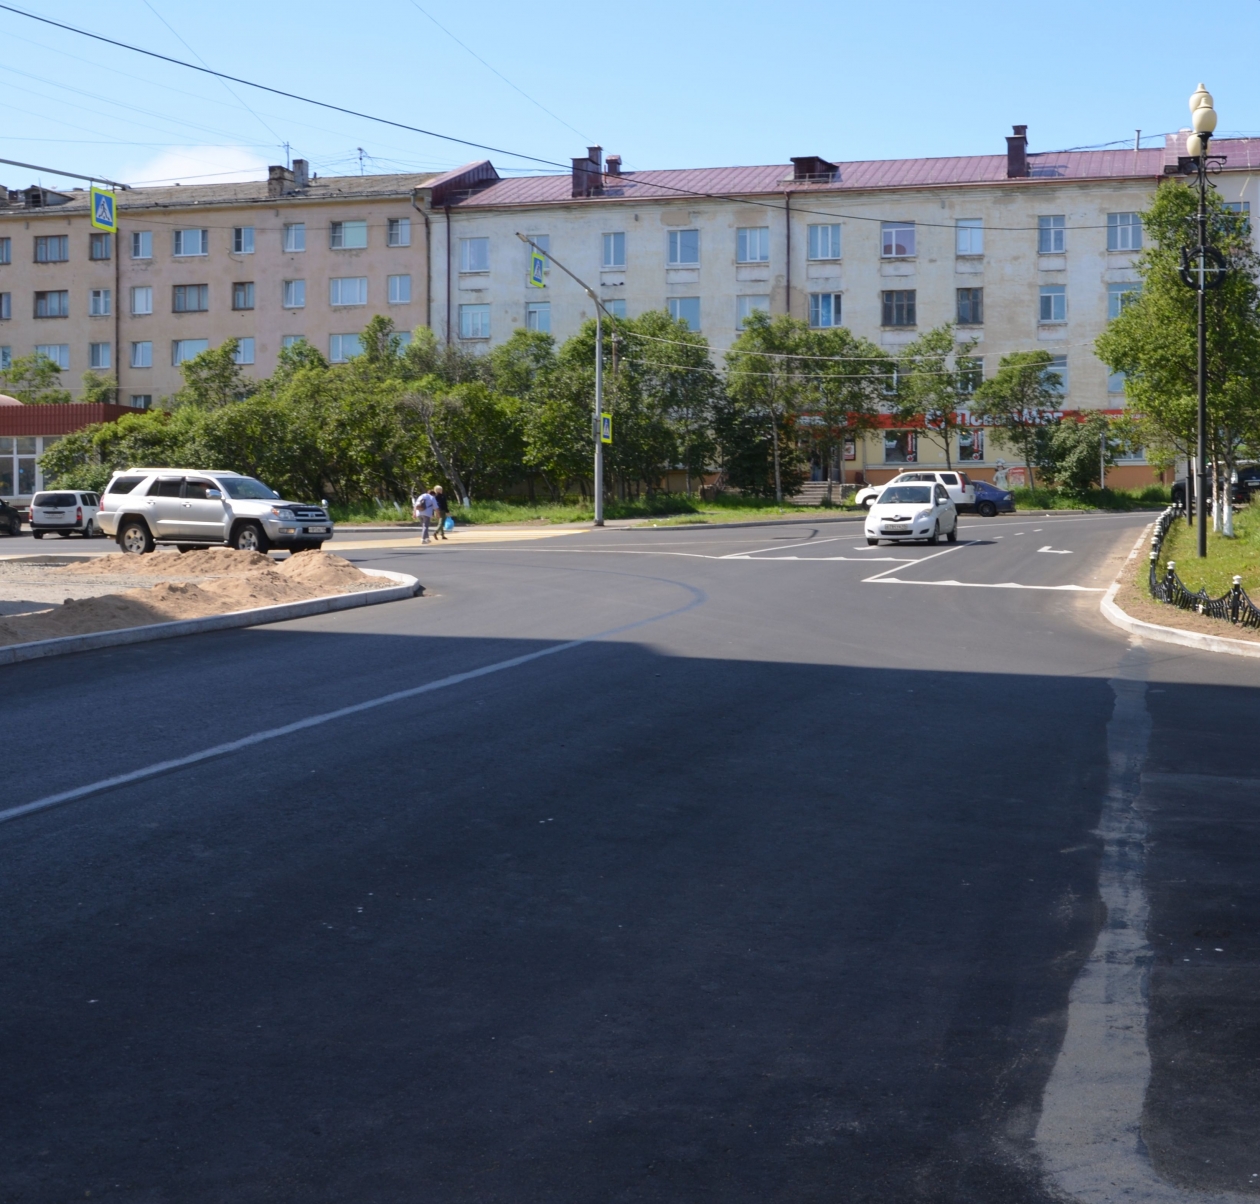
597	425
1202	268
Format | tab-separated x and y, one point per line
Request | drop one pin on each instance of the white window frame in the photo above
142	244
142	354
100	357
474	255
1051	234
614	247
142	401
1056	295
832	303
538	316
616	306
242	240
100	302
677	249
752	244
347	290
824	241
181	351
141	300
898	240
337	232
181	242
337	348
6	250
744	306
294	237
1124	232
969	236
474	321
399	289
1116	292
244	351
293	294
6	307
675	306
59	353
398	232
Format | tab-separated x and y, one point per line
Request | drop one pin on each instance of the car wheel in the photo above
874	543
37	535
134	538
952	537
935	537
186	547
89	532
986	509
868	502
250	537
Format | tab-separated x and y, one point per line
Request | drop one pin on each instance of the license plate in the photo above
317	530
896	529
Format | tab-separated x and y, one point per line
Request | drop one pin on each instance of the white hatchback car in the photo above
922	510
65	512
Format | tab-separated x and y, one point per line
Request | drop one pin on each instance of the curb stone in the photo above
406	587
1167	635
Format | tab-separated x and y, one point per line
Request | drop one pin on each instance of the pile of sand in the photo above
229	581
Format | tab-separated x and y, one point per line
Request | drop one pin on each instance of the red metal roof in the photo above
58	419
857	176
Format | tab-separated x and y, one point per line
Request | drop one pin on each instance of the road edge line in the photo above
406	587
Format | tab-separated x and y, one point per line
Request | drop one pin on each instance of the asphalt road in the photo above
749	865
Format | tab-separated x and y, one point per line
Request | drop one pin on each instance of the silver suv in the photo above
192	508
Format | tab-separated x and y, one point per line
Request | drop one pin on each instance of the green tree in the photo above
34	380
934	379
1076	450
213	378
99	388
844	384
1022	399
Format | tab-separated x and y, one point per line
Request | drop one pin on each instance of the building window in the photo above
684	247
398	232
1115	382
191	298
1120	295
1058	366
99	356
243	240
1053	303
55	304
970	373
752	244
244	351
474	254
899	307
399	290
685	310
295	236
538	316
142	299
100	302
744	307
142	355
474	321
59	353
824	308
615	250
291	340
191	242
6	357
100	246
52	248
616	308
142	401
1124	232
969	236
142	244
970	306
294	294
824	242
182	350
348	236
243	295
347	290
897	240
971	444
343	347
6	306
1240	207
1051	234
6	250
901	447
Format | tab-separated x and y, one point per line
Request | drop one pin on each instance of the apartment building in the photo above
1020	250
265	262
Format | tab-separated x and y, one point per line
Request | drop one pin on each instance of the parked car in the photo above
65	512
194	508
10	518
920	510
1241	490
990	500
961	490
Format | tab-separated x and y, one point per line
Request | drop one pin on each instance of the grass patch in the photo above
1226	558
670	508
1151	497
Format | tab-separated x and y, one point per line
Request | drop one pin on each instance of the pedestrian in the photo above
424	508
444	509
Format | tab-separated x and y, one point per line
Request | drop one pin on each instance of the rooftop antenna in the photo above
360	150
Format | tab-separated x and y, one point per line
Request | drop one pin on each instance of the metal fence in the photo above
1235	606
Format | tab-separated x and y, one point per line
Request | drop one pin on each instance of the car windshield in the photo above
246	489
905	494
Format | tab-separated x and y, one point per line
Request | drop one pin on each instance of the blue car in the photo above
991	500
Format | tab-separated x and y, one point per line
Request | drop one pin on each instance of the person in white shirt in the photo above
424	508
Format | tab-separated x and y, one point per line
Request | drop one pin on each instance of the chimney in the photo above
1017	153
301	173
588	173
612	166
279	180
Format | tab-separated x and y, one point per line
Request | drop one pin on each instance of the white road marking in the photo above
1084	589
1056	551
957	547
288	729
804	543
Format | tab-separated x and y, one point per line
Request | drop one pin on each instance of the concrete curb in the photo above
406	587
1156	631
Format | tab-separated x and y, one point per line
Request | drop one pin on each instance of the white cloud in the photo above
200	165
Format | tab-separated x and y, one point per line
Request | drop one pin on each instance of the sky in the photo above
660	83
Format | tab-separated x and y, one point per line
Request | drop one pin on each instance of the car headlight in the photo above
282	512
923	516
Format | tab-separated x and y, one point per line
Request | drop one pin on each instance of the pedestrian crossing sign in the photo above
104	211
537	267
605	428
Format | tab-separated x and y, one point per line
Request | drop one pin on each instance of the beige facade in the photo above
169	291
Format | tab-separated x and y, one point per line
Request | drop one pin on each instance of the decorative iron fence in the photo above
1234	607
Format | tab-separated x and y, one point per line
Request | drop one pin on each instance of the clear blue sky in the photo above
663	84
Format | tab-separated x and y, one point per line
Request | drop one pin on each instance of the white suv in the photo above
957	484
192	507
65	512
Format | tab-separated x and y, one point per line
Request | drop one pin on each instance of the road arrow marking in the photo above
1056	551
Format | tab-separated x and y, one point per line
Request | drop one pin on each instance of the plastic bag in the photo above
449	525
